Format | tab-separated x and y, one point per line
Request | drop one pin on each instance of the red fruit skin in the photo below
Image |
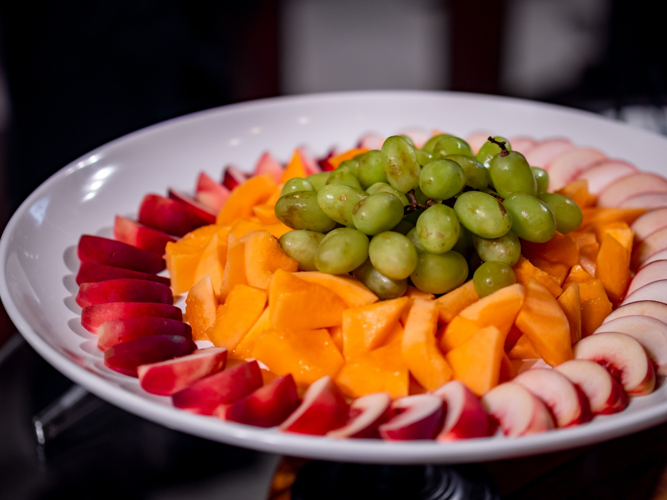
424	428
169	216
618	399
118	254
323	409
472	421
118	331
94	316
210	193
365	415
233	177
91	272
198	208
123	290
140	236
167	377
125	358
267	164
324	164
268	406
222	388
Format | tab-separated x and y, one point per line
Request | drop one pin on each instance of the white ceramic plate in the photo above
38	263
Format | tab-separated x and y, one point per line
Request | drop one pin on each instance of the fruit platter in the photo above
395	277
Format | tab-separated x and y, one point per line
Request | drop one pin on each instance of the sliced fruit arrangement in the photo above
414	287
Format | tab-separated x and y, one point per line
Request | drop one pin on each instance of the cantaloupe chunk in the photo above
244	225
595	306
365	328
557	272
278	229
512	338
254	191
352	291
336	333
523	349
395	335
295	168
544	323
182	261
234	318
498	309
381	370
452	303
415	293
578	274
560	249
578	192
619	230
307	354
476	362
210	262
345	155
263	255
524	271
425	361
266	214
234	272
570	303
200	309
300	304
612	268
604	215
202	235
244	348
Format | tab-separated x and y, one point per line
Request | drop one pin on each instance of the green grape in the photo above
377	213
414	239
482	214
319	180
423	157
442	179
490	149
477	175
371	169
567	213
451	145
341	251
491	277
301	210
338	202
383	187
295	185
353	165
510	173
408	139
439	273
420	197
430	144
382	286
344	176
403	227
541	179
393	255
401	167
438	229
464	243
302	246
531	218
506	249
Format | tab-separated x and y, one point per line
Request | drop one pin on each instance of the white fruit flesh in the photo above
650	308
656	291
544	152
418	417
465	417
627	187
604	394
569	165
603	174
652	244
649	223
365	412
522	144
518	412
476	140
650	273
648	201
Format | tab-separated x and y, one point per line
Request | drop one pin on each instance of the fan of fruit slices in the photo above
576	324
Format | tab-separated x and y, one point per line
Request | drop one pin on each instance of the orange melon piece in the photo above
604	215
415	293
570	303
182	261
619	230
278	229
524	271
210	262
365	328
235	318
300	304
595	305
498	309
556	271
346	155
425	361
254	191
273	199
202	235
244	348
336	333
523	349
294	168
476	362
307	354
381	370
352	291
266	214
578	274
560	249
200	309
507	370
452	303
263	255
395	335
612	268
234	272
578	192
512	338
544	323
243	226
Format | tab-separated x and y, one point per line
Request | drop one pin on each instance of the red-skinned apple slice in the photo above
655	271
233	177
649	201
223	387
652	244
268	406
169	216
649	308
322	409
118	254
365	415
91	272
414	417
210	193
267	164
661	255
92	317
568	405
601	175
202	211
523	144
165	378
649	223
371	141
605	395
118	331
649	332
465	417
624	358
323	162
544	152
568	166
656	291
123	290
125	358
631	185
140	236
516	410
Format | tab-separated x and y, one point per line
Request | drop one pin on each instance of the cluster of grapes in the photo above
432	215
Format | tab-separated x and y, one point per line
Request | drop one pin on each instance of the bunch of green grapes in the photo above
428	216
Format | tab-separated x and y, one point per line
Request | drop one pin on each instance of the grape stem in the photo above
501	144
413	205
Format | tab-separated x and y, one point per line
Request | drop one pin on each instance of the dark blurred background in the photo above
75	74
